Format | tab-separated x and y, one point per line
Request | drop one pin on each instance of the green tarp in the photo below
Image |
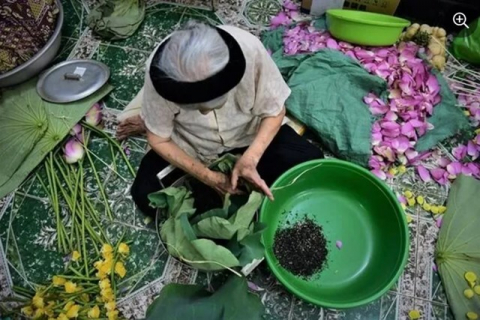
31	127
327	96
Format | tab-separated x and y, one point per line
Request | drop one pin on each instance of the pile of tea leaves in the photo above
301	248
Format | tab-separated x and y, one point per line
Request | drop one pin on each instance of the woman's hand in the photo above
246	167
220	182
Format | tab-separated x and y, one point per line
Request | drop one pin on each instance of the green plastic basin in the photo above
365	28
352	206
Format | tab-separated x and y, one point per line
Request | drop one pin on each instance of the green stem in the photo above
79	278
23	291
82	210
113	157
115	143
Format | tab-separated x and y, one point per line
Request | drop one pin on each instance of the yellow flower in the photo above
38	313
76	256
98	264
107	295
107	266
28	311
48	309
477	290
477	131
442	209
106	249
62	316
73	311
393	171
470	276
427	207
409	218
58	281
420	200
414	314
468	293
466	112
120	269
68	305
411	202
112	315
434	209
37	301
85	297
94	313
110	306
402	169
408	194
123	249
472	316
104	284
101	275
70	287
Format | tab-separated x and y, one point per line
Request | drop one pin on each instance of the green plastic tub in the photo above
352	206
365	28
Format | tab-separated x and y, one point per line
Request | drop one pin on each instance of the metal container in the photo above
39	61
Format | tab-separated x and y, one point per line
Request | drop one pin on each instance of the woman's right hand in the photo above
220	182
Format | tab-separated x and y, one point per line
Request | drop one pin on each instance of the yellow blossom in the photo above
411	202
468	293
106	266
402	169
120	269
76	255
112	315
414	314
393	171
49	309
404	206
28	311
427	207
477	131
472	316
38	313
98	264
123	249
68	305
107	295
408	194
110	306
85	297
442	209
101	275
470	276
477	289
73	311
420	200
104	284
62	316
94	313
434	209
58	281
70	287
37	301
409	218
466	112
106	250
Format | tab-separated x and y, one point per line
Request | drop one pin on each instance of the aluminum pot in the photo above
39	61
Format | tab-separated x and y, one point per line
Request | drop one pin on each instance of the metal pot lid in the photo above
72	80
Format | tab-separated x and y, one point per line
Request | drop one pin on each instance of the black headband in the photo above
204	90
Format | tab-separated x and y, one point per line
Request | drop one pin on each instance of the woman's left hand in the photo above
246	167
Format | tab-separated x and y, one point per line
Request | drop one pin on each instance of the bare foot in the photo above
130	126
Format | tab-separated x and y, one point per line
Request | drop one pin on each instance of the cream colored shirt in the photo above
261	93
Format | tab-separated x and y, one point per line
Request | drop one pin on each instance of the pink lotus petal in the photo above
408	130
459	152
339	244
364	55
376	138
474	168
416	123
289	5
281	19
391	116
466	171
439	222
454	169
424	173
401	144
332	44
385	152
443	162
73	151
390	125
432	84
252	286
402	199
379	173
434	267
411	154
472	150
94	115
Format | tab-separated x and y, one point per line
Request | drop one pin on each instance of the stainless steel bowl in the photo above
39	61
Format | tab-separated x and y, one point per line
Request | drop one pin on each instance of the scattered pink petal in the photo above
289	5
443	162
339	244
472	150
380	174
439	222
280	19
434	267
460	152
424	173
252	286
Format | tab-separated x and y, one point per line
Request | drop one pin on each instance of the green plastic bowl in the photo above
352	206
365	28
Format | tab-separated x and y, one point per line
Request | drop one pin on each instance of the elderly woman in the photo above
209	91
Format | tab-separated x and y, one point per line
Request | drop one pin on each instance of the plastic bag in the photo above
466	45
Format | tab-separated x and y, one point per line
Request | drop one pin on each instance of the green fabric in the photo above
458	246
466	45
327	96
116	19
447	119
31	127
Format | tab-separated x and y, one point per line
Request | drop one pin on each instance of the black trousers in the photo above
287	150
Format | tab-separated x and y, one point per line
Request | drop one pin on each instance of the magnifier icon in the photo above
460	19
